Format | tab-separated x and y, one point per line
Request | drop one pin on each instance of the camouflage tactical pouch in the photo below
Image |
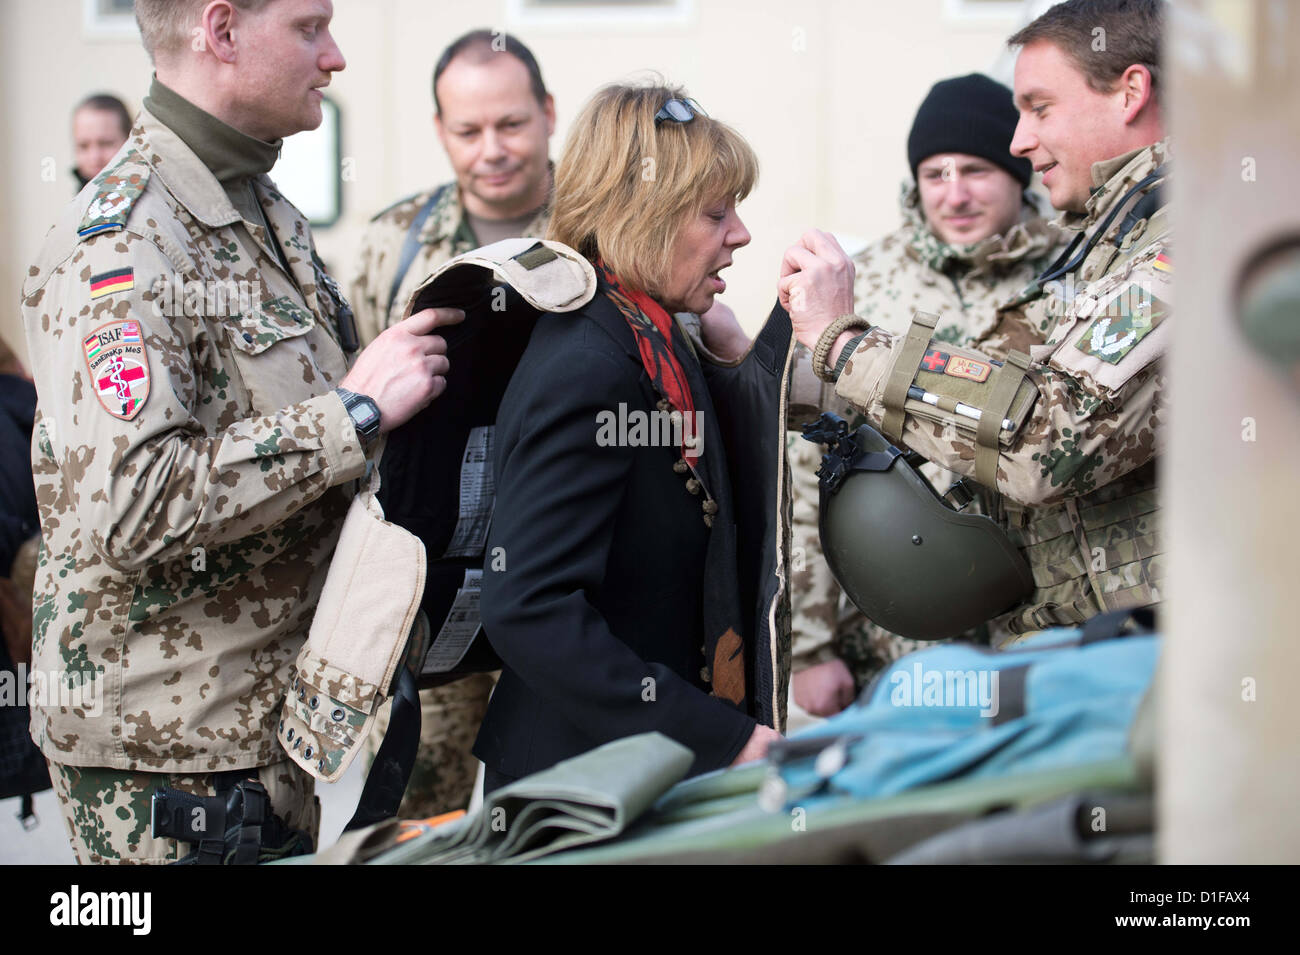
937	381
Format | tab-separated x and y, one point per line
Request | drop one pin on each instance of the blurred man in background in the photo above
100	125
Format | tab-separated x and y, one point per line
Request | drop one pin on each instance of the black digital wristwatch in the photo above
364	413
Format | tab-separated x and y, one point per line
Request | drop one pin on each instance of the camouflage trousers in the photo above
445	769
107	811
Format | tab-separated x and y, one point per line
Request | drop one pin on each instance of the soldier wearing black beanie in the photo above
968	114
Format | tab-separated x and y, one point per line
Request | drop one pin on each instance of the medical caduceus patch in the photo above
119	367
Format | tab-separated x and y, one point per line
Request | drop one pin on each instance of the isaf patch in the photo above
1122	322
118	280
119	367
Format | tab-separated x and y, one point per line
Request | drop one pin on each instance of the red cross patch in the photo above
935	360
119	367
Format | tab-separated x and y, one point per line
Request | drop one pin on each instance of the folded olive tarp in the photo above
590	798
707	820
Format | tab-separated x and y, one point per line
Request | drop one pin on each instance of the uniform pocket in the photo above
273	321
268	347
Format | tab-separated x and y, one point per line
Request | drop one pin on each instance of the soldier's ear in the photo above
548	108
218	29
1135	84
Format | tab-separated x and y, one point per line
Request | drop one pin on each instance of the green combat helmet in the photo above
909	561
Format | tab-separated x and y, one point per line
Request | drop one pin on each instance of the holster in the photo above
234	827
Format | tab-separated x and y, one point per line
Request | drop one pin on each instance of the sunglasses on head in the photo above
679	111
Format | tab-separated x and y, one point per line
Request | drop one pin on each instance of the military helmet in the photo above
911	562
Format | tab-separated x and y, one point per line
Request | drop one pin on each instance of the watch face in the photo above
364	415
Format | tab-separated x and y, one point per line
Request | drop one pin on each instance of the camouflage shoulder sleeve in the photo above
120	395
364	292
116	191
381	247
1086	409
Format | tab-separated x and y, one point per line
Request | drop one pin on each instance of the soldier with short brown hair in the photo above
1057	409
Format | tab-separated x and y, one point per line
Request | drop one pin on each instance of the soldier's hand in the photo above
824	689
756	748
405	367
816	284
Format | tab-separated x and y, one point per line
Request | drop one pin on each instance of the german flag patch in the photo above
118	280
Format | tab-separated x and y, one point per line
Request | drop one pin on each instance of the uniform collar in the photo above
184	174
231	155
201	151
1112	178
448	222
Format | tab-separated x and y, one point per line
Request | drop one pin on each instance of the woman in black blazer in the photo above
614	605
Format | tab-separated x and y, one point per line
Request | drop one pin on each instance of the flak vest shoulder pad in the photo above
549	276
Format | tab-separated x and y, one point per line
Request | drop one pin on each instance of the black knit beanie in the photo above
968	114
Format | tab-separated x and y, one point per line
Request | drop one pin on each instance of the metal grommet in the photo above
297	743
338	715
289	735
314	702
321	765
916	538
306	753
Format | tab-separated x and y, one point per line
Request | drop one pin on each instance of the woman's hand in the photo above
756	748
722	334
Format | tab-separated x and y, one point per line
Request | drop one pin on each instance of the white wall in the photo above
825	91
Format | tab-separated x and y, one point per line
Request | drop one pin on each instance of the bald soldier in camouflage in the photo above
193	462
494	118
972	237
1068	382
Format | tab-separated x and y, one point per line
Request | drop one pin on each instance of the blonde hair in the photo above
624	188
165	25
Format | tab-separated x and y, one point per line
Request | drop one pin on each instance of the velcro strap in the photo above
1002	392
901	376
536	257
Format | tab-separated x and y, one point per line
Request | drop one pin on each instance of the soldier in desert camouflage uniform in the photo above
193	464
1081	349
498	148
977	240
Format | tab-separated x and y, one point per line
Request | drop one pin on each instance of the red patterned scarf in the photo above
653	328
